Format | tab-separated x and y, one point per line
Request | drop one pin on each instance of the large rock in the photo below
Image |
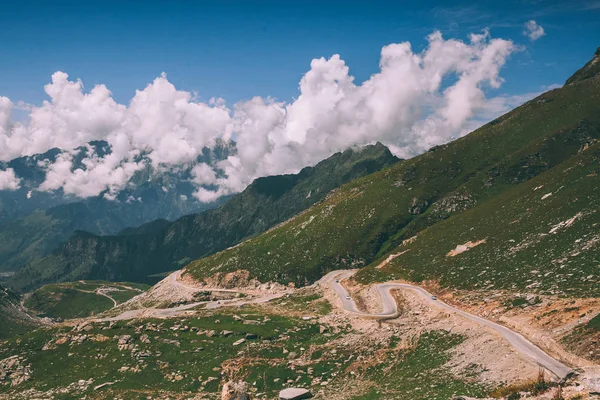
235	391
294	394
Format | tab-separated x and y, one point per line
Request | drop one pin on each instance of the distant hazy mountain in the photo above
32	222
162	246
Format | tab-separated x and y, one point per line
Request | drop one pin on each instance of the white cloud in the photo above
8	180
203	174
533	31
405	105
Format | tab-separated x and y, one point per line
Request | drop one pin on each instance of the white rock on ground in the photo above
294	394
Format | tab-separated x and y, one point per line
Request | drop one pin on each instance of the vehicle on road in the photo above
433	297
337	281
347	297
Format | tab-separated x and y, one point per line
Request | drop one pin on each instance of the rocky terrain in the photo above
301	338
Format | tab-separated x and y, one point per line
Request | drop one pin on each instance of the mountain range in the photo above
513	205
295	228
161	246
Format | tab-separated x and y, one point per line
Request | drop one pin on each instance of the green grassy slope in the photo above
80	299
367	219
548	244
594	323
152	249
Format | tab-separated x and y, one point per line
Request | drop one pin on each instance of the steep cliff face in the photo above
159	247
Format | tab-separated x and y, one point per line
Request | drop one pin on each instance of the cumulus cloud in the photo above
533	31
8	180
415	101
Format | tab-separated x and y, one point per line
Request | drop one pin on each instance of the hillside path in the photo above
98	291
390	310
177	284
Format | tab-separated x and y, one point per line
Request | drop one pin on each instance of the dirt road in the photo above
176	284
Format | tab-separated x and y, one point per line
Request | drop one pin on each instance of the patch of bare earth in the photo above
461	248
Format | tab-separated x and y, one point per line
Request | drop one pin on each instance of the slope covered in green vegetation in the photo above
156	248
80	299
193	357
480	187
542	235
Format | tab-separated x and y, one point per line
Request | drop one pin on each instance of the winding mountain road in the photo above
390	310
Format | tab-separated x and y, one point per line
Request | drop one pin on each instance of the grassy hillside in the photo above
542	235
80	299
583	340
543	142
156	248
13	319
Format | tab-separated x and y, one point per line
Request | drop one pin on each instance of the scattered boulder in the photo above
78	339
125	339
251	336
294	394
238	342
170	341
124	342
226	333
235	391
99	338
145	339
49	346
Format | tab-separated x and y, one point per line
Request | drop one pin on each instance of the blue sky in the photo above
239	49
434	92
